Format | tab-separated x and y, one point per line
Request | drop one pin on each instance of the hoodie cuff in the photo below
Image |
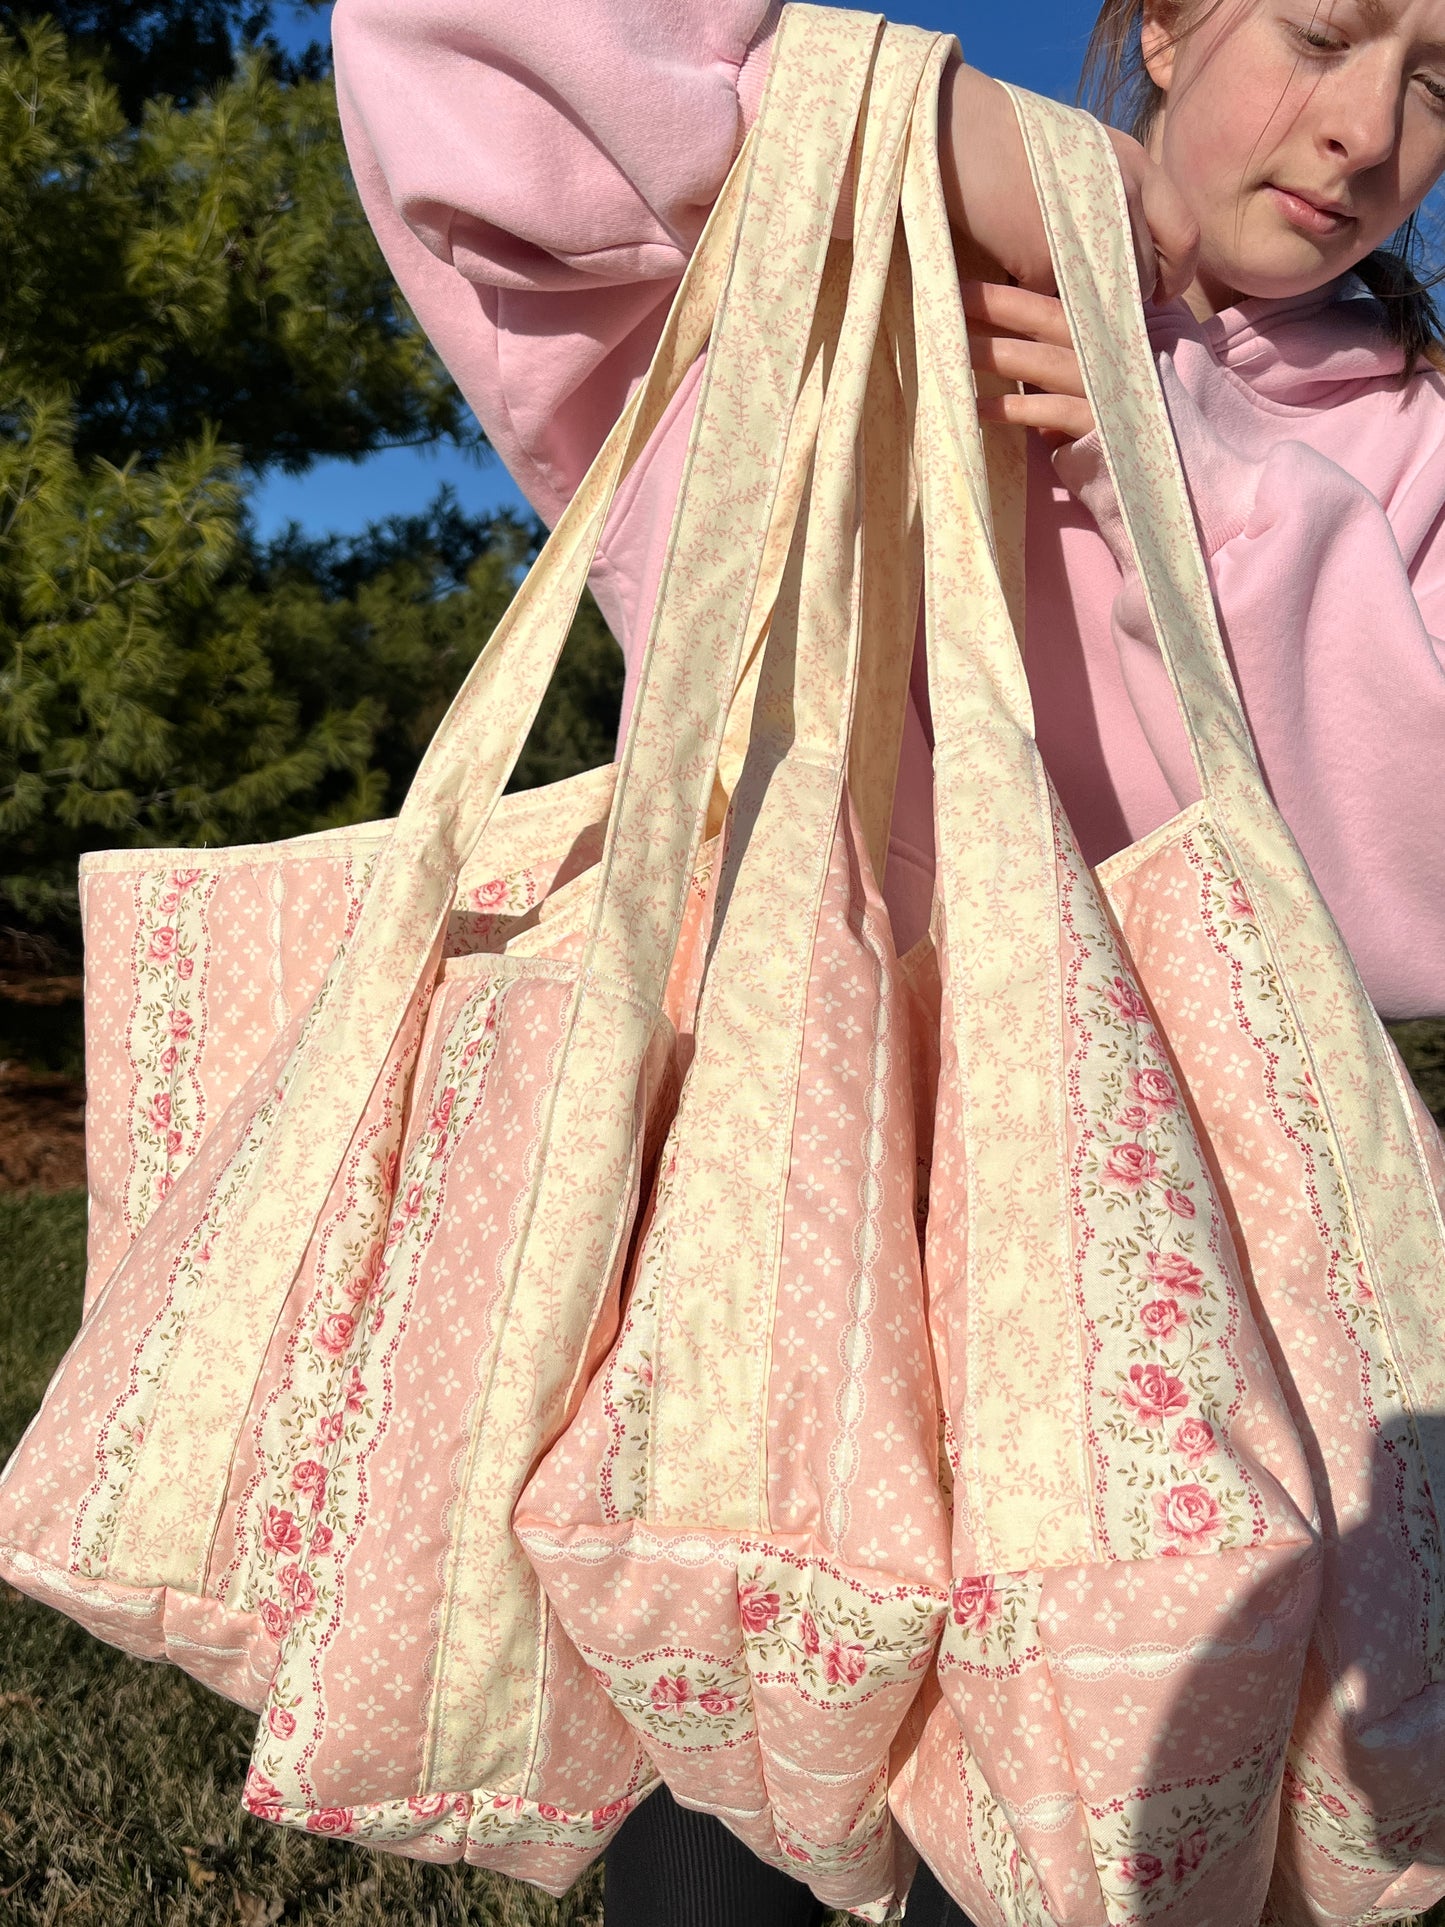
754	69
1221	483
752	75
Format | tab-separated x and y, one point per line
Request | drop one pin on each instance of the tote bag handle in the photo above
752	287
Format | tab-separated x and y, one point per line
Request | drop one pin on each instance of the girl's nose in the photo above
1358	115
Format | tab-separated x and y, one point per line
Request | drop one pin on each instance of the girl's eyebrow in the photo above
1378	15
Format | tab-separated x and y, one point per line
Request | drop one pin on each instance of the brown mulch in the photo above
42	1131
42	1113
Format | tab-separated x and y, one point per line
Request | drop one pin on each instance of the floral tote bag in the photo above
1185	1261
742	1530
342	1319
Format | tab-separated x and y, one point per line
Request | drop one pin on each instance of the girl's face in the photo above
1300	132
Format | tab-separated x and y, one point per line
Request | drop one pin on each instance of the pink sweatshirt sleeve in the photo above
537	172
1336	648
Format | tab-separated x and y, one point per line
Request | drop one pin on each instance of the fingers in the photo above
1016	311
1064	416
1166	234
1037	363
1175	232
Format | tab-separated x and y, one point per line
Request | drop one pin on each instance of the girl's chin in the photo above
1276	273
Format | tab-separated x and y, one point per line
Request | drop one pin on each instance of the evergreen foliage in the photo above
192	296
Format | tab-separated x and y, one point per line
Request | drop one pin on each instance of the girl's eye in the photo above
1317	39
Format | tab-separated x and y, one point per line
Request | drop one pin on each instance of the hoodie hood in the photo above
1306	351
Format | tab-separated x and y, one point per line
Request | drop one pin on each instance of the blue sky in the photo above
1039	45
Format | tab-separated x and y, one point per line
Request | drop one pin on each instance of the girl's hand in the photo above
1025	337
995	212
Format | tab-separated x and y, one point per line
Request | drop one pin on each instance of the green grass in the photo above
1422	1045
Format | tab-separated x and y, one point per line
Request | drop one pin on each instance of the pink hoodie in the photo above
536	175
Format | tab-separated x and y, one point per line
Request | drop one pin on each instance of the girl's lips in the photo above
1304	214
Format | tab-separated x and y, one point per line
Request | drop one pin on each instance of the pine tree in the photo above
192	297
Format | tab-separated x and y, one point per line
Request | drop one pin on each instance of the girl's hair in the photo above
1115	85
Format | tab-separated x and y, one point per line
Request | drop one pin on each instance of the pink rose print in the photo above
975	1604
1188	1512
550	1812
670	1693
795	1852
1153	1393
426	1806
1188	1853
160	1110
281	1723
1179	1202
333	1334
1154	1091
507	1803
1332	1803
1127	1001
320	1539
613	1811
443	1111
1133	1117
716	1702
180	1025
261	1797
297	1589
330	1820
808	1634
170	1057
1171	1271
183	879
1130	1165
1161	1317
1239	903
844	1663
488	895
1362	1286
310	1477
185	968
355	1390
273	1619
1140	1869
163	1190
280	1533
162	946
173	1141
358	1283
757	1609
328	1429
1194	1439
1295	1790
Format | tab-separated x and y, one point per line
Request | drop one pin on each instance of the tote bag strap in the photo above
1364	1104
733	1139
752	286
1023	1477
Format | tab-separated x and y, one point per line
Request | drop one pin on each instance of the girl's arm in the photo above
537	172
1336	645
